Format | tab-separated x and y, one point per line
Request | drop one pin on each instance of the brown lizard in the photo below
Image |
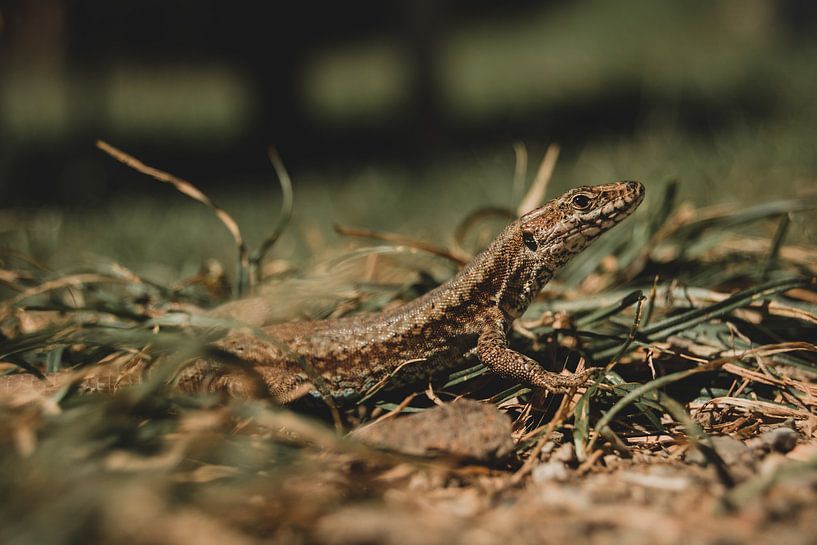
470	314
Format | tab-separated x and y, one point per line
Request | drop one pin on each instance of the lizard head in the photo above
546	238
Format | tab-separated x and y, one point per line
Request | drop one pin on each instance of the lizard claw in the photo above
563	384
594	373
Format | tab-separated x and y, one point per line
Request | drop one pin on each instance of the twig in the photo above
536	192
588	464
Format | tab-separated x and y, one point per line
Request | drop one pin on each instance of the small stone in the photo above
771	463
466	429
779	439
803	453
729	449
565	454
550	471
611	460
549	447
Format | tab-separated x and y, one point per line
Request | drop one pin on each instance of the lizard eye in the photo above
581	202
530	242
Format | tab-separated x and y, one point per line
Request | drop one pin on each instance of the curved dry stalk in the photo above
283	220
472	219
397	238
187	188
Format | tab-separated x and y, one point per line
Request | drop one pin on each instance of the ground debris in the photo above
465	429
782	439
731	451
550	471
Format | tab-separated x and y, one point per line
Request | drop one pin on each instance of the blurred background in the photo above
393	115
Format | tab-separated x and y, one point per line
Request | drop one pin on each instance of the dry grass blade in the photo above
187	188
537	190
757	406
70	281
777	243
520	170
530	461
472	219
397	238
283	220
392	413
385	380
11	278
762	378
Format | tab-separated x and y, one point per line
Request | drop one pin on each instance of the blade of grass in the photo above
777	243
739	299
630	337
538	188
602	313
71	281
283	219
465	375
684	321
640	391
396	238
520	170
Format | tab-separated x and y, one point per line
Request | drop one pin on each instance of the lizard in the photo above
470	315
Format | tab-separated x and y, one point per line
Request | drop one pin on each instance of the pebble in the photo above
565	454
781	439
466	429
550	471
728	448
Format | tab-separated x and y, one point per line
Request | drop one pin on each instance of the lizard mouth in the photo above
623	203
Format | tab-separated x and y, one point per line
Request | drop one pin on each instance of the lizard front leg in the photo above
493	352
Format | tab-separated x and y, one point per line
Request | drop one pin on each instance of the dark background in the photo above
201	87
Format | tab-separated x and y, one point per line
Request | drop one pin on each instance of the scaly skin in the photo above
470	314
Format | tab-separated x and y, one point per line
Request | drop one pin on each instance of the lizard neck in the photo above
502	276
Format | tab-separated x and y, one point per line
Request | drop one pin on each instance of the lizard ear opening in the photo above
530	242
